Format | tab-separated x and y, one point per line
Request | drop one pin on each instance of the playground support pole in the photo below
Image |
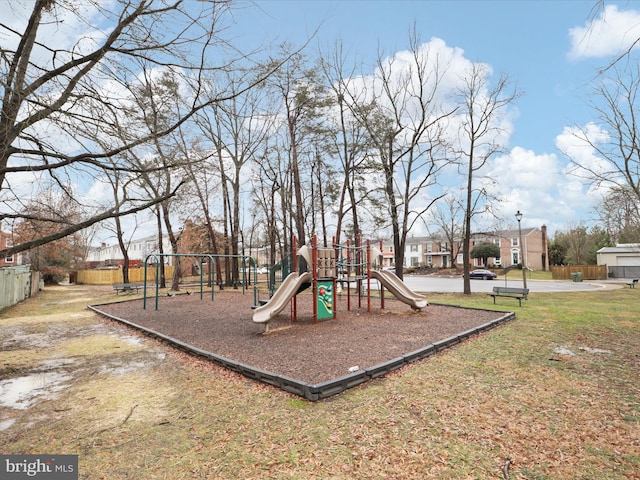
381	287
359	268
334	290
201	264
338	256
144	295
294	263
335	298
314	276
157	283
348	275
368	276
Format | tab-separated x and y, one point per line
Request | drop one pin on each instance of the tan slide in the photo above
399	289
289	288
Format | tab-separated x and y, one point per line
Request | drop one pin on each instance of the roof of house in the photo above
622	248
507	233
494	234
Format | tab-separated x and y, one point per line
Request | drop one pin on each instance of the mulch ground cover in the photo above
303	350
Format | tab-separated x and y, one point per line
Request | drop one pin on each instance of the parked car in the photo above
483	274
263	270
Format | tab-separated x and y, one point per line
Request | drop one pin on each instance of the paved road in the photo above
420	283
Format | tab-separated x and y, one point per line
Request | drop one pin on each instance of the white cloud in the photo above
538	186
610	34
525	169
443	69
578	144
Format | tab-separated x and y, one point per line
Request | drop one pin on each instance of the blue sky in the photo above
528	40
552	50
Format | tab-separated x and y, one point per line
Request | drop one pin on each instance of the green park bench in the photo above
127	287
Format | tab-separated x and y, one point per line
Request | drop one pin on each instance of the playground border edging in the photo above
315	392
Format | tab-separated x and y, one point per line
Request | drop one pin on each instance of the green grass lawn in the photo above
531	274
554	394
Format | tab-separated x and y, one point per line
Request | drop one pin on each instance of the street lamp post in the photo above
524	273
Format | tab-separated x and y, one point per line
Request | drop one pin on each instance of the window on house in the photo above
429	259
413	248
8	243
429	247
514	242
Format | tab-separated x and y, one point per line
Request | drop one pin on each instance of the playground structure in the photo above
324	269
284	361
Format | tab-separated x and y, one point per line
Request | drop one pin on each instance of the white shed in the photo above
623	260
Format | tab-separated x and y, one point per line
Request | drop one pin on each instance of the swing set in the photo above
247	264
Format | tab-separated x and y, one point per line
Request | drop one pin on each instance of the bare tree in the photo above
480	138
347	142
72	91
576	243
45	214
616	140
599	9
120	183
237	130
270	186
619	213
204	185
448	216
299	87
405	120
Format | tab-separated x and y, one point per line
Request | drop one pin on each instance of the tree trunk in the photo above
297	187
175	280
467	229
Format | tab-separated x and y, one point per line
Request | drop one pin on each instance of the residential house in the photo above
6	241
533	253
427	251
419	252
111	255
437	254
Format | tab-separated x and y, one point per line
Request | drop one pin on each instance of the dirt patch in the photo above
47	352
302	350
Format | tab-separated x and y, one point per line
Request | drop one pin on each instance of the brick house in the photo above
6	240
420	252
533	253
427	251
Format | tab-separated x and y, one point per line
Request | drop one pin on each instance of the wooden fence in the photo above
109	277
16	284
589	272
